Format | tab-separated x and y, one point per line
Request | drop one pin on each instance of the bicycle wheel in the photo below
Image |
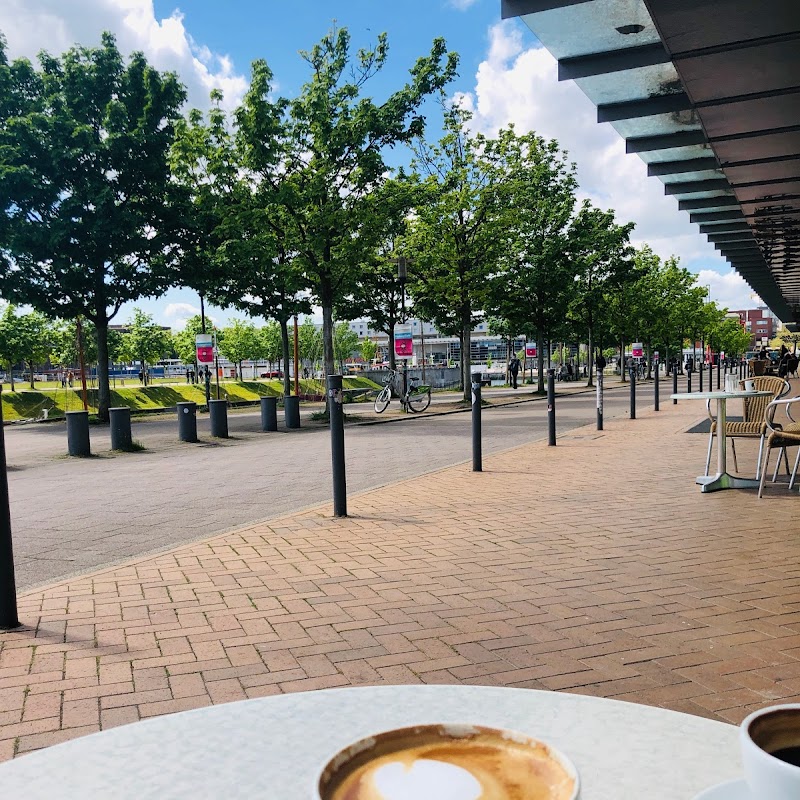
419	399
383	399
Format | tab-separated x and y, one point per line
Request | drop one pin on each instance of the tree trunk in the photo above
466	340
103	388
392	357
540	364
287	384
589	363
327	330
33	383
11	375
622	360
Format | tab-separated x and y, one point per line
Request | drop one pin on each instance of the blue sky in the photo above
504	77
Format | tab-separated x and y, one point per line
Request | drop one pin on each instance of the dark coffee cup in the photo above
770	740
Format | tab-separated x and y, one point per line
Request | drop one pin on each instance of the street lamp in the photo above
402	277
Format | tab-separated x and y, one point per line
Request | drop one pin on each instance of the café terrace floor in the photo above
595	567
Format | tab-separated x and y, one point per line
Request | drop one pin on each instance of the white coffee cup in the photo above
765	732
750	386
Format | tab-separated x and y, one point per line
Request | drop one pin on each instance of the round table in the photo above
273	748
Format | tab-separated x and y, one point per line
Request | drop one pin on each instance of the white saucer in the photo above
730	790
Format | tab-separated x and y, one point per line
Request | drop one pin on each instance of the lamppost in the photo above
402	277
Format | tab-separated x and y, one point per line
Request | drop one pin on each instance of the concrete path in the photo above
73	515
596	566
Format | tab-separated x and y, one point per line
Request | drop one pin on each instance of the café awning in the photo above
707	93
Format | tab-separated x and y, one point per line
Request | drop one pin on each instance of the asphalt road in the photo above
70	516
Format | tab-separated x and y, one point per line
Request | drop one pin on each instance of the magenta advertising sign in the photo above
403	341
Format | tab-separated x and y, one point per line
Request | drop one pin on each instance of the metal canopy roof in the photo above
707	92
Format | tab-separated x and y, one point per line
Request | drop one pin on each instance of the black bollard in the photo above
551	408
78	433
291	411
688	380
218	417
477	455
632	375
269	413
9	617
336	412
700	377
655	391
599	399
120	423
674	384
719	370
187	422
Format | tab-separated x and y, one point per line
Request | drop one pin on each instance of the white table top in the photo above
274	748
719	395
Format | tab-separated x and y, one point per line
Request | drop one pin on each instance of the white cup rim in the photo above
744	728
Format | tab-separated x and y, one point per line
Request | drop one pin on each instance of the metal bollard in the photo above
269	413
187	422
688	380
599	399
291	410
719	370
337	445
632	375
700	376
218	417
675	384
655	391
551	408
78	433
477	453
120	423
9	618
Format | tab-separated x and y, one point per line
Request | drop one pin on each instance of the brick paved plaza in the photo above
593	567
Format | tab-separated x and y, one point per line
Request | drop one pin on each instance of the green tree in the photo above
345	343
602	258
85	142
65	343
456	234
334	140
369	350
37	334
271	345
531	288
145	342
12	341
240	342
310	342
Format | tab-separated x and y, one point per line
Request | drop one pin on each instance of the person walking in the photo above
513	368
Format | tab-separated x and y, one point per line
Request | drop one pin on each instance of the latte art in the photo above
448	763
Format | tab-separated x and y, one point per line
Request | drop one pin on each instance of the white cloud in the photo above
176	315
462	5
55	25
520	84
728	289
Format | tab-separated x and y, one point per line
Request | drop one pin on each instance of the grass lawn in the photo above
26	403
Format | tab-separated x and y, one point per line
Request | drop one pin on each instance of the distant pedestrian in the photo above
513	368
188	376
569	370
70	379
63	377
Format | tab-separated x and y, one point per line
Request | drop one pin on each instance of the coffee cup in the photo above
750	386
770	741
448	762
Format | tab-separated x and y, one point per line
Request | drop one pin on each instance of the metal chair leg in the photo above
710	443
733	451
786	460
794	471
781	452
760	454
763	473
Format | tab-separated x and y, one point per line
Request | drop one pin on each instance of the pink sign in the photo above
403	341
205	355
637	351
530	349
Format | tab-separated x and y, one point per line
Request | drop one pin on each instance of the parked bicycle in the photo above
416	399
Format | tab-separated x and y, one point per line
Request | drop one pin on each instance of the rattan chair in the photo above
780	437
753	424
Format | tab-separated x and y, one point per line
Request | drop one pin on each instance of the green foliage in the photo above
345	342
270	342
239	342
85	142
369	350
310	341
145	341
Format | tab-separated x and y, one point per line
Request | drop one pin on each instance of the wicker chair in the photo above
753	425
780	437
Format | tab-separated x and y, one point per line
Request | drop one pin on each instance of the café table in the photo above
723	479
274	748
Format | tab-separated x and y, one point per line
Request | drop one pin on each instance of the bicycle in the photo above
416	399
